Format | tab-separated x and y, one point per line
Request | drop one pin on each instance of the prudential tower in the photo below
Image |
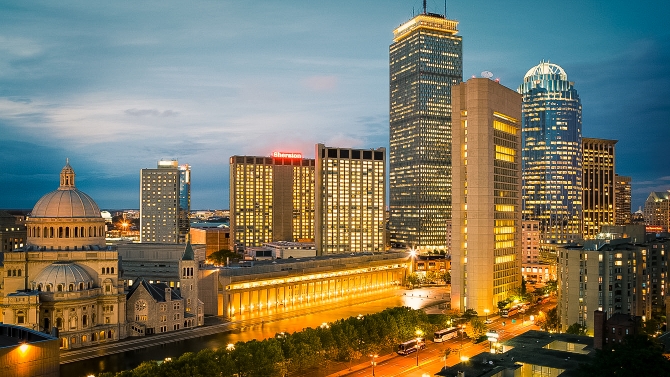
426	60
552	154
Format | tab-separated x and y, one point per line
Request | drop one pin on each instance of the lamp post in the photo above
373	362
418	333
486	311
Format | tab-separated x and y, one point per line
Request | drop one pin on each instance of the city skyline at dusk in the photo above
116	87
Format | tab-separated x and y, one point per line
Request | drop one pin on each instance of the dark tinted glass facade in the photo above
425	62
552	153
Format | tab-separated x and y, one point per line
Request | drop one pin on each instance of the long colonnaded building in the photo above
293	284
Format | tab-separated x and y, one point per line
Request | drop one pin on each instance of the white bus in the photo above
411	346
446	334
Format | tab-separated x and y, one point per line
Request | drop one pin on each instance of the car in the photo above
488	321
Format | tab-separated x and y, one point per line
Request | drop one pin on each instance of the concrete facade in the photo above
486	222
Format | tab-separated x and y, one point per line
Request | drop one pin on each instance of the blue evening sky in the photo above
118	85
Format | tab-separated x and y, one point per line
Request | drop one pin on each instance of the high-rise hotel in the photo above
552	154
425	62
350	200
165	202
486	223
271	199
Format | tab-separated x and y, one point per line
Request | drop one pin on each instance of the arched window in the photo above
107	269
60	287
19	272
59	322
90	231
60	232
45	233
76	232
103	270
112	269
84	320
73	322
70	287
67	232
51	232
39	287
83	338
48	287
81	286
109	334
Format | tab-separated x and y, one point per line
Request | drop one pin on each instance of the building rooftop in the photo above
562	352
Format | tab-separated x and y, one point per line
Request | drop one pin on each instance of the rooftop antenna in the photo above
424	6
445	8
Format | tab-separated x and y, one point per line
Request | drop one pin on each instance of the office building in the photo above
350	200
657	211
271	199
598	198
486	226
426	60
552	154
165	202
622	200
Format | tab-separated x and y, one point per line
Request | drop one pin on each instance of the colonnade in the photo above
319	289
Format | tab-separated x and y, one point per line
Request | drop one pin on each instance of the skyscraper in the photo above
271	199
598	177
657	211
350	200
165	203
425	62
552	154
622	198
486	243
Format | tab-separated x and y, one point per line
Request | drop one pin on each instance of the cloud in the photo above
151	112
320	83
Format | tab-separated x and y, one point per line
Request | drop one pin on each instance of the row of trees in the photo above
430	277
304	351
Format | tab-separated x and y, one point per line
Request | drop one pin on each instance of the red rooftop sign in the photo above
286	155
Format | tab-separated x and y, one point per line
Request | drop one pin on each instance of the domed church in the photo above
66	280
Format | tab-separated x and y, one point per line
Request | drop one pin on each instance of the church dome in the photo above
67	275
67	201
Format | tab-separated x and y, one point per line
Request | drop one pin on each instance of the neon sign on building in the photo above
286	155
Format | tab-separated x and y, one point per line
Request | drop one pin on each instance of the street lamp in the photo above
418	333
486	311
373	362
230	347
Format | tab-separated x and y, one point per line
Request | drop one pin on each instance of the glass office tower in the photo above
552	154
425	62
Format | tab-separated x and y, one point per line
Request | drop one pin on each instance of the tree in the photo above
220	257
469	314
576	329
637	355
445	276
431	276
478	327
552	320
503	304
551	287
414	279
